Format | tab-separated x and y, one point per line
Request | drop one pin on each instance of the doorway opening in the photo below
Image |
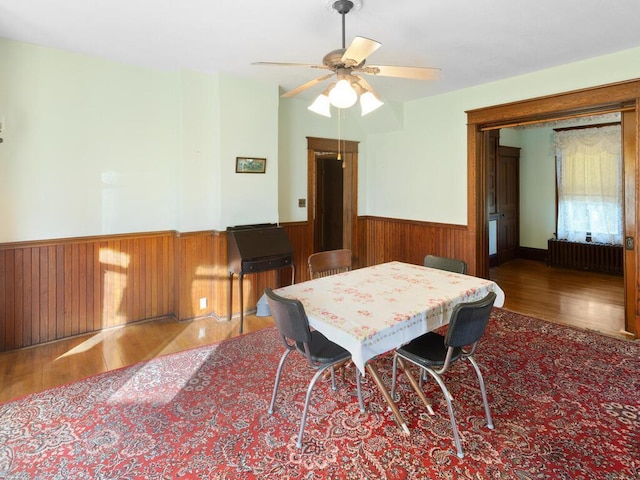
329	199
620	97
332	190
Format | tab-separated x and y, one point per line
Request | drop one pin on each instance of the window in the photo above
589	181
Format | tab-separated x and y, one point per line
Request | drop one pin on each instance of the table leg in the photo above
416	386
387	396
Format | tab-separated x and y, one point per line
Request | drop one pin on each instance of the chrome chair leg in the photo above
449	398
359	389
394	376
483	390
277	382
306	404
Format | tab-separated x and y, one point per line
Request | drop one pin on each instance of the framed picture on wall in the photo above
250	165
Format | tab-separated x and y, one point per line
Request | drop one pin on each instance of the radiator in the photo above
598	257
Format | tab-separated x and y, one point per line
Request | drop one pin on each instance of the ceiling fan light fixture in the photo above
321	105
369	102
343	95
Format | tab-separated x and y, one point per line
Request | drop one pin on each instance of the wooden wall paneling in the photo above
17	300
26	296
5	315
48	291
59	292
83	265
197	278
631	155
409	241
184	279
221	276
96	289
111	281
3	300
60	288
300	236
13	290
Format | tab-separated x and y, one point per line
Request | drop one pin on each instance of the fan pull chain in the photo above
340	157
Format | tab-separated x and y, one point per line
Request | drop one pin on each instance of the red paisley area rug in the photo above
565	403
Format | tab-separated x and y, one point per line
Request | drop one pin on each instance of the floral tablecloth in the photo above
373	310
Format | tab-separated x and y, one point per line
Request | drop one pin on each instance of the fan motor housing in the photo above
333	60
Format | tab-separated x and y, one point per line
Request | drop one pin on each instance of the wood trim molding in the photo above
451	226
349	148
593	100
621	96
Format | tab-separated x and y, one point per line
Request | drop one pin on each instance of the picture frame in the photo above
250	165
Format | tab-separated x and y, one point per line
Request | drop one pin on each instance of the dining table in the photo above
374	310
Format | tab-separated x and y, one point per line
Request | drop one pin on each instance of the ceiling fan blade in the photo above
303	87
285	64
359	50
415	73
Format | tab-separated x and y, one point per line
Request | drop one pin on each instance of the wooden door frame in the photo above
349	149
616	97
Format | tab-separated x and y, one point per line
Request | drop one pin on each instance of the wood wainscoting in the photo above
54	289
60	288
387	239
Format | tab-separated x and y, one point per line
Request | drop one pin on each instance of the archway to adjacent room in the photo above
620	97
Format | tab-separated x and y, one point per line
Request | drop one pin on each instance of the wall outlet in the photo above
203	303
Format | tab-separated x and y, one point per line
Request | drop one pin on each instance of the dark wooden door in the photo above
508	202
329	213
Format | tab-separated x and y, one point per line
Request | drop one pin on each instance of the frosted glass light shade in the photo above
343	95
369	102
321	105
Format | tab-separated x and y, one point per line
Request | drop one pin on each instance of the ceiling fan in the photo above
348	65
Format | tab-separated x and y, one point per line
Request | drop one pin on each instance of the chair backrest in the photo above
444	263
289	317
468	322
322	264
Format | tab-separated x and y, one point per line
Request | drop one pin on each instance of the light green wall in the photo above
420	172
89	145
537	186
97	147
296	124
200	180
94	147
249	128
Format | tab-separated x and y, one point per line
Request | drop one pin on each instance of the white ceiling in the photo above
472	42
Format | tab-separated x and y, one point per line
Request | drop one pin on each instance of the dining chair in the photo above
444	263
434	353
320	352
322	264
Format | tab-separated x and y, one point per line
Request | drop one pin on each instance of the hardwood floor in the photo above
37	368
583	299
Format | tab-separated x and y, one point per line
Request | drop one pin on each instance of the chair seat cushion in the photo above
427	350
324	350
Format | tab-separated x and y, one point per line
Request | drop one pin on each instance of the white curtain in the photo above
589	173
